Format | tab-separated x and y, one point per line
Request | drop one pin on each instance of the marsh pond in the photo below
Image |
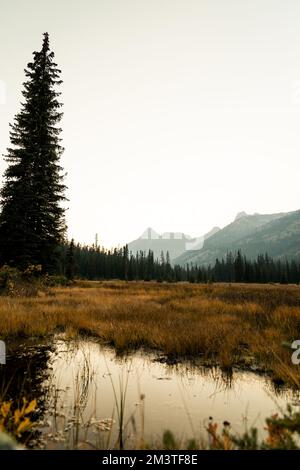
88	397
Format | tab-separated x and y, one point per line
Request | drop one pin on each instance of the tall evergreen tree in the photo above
239	267
70	261
32	221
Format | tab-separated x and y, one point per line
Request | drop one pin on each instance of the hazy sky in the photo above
178	113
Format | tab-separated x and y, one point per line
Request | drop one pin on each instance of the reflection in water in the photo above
86	395
24	375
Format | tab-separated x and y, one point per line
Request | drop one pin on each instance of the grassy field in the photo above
244	325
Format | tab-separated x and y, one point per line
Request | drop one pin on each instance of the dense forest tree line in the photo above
87	262
95	263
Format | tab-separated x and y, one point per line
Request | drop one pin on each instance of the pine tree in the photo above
70	261
239	267
168	268
32	220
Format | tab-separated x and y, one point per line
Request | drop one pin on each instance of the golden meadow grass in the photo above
229	325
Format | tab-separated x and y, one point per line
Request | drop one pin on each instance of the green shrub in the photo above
14	282
53	281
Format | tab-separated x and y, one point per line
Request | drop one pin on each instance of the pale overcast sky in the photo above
178	113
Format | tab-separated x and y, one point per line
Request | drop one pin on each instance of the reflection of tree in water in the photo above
24	375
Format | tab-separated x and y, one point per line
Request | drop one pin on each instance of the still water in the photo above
85	391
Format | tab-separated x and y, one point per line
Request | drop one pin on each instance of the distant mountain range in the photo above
275	234
176	243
